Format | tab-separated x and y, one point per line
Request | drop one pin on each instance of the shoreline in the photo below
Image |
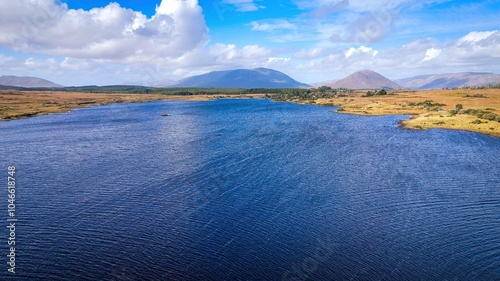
16	104
437	116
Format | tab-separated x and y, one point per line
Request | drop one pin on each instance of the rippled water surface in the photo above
248	190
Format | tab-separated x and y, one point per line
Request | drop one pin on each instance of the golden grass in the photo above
19	104
422	118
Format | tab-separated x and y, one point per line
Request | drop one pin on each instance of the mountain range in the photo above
269	78
450	80
27	82
242	78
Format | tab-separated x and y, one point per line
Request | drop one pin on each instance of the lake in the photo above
248	190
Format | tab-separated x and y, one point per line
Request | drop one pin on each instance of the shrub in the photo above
489	116
477	121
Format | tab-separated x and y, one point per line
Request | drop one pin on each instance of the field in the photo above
19	104
425	115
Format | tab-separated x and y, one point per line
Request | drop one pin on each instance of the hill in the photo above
365	79
450	80
242	78
27	82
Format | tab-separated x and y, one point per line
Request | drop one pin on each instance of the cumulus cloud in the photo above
475	51
243	5
110	33
475	47
474	37
361	51
431	54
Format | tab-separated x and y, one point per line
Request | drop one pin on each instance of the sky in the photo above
156	42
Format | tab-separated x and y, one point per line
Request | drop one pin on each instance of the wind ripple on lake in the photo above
251	190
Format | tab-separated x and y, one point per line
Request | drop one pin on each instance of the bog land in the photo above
476	110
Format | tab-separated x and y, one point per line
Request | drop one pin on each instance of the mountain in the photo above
365	79
27	82
323	83
242	78
450	80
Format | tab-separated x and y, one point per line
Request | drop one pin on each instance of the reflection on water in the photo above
250	190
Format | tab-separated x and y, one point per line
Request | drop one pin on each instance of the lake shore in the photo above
16	104
22	104
425	117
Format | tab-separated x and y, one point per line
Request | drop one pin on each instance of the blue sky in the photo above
155	42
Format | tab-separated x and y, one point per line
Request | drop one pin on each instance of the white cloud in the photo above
33	63
330	6
270	26
243	5
474	37
5	60
230	54
309	54
110	33
76	64
480	54
278	59
431	54
361	50
357	21
475	48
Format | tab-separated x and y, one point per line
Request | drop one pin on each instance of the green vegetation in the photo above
492	86
478	121
279	94
150	90
476	96
381	92
323	92
430	105
481	113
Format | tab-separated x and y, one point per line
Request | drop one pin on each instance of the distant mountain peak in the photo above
450	80
27	82
242	78
365	79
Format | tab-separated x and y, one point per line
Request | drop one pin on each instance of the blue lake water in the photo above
248	190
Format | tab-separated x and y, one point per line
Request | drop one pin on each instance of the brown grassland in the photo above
18	104
399	102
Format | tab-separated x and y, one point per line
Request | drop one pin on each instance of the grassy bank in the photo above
16	104
477	111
